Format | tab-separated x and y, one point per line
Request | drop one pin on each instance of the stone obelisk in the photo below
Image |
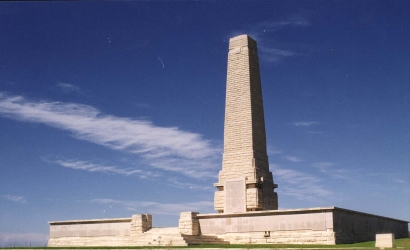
245	182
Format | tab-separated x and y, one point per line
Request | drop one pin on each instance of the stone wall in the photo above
90	228
282	237
297	226
98	232
140	223
328	225
189	223
385	240
351	226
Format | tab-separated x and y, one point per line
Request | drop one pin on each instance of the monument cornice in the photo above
290	211
93	221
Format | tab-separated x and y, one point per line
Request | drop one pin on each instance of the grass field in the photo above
400	244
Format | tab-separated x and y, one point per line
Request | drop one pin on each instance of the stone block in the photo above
235	195
385	240
140	223
189	223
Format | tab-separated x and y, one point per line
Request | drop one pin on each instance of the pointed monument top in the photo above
241	40
243	36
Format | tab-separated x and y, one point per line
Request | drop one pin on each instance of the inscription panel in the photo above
235	196
311	221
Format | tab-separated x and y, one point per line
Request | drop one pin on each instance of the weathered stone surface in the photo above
140	223
235	198
188	223
90	228
351	226
288	222
385	240
98	232
153	237
329	225
244	133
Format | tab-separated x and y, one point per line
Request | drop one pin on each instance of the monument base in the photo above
328	226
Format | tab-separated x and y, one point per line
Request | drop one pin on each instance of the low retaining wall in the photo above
296	226
90	228
329	225
75	232
352	226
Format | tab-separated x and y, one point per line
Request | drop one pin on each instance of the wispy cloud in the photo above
19	199
400	181
274	151
67	87
259	30
305	124
185	185
323	166
315	132
166	148
159	208
389	177
142	105
293	158
92	167
22	239
303	186
270	50
329	169
8	82
274	54
296	21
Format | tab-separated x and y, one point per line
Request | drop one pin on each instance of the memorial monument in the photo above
245	182
245	199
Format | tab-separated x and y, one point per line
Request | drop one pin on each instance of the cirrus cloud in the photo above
165	148
19	199
300	185
305	124
159	208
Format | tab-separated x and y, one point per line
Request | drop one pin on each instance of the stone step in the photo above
204	239
161	236
153	237
163	230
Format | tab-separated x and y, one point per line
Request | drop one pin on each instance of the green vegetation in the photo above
400	244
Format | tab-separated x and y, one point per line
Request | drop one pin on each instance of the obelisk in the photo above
245	182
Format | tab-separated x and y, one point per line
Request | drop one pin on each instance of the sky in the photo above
109	109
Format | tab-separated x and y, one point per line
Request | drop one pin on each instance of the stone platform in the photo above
328	225
134	231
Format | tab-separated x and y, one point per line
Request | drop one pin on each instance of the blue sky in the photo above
109	109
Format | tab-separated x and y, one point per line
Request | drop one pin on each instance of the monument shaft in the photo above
245	162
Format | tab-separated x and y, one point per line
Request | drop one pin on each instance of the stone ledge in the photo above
266	212
94	221
290	211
